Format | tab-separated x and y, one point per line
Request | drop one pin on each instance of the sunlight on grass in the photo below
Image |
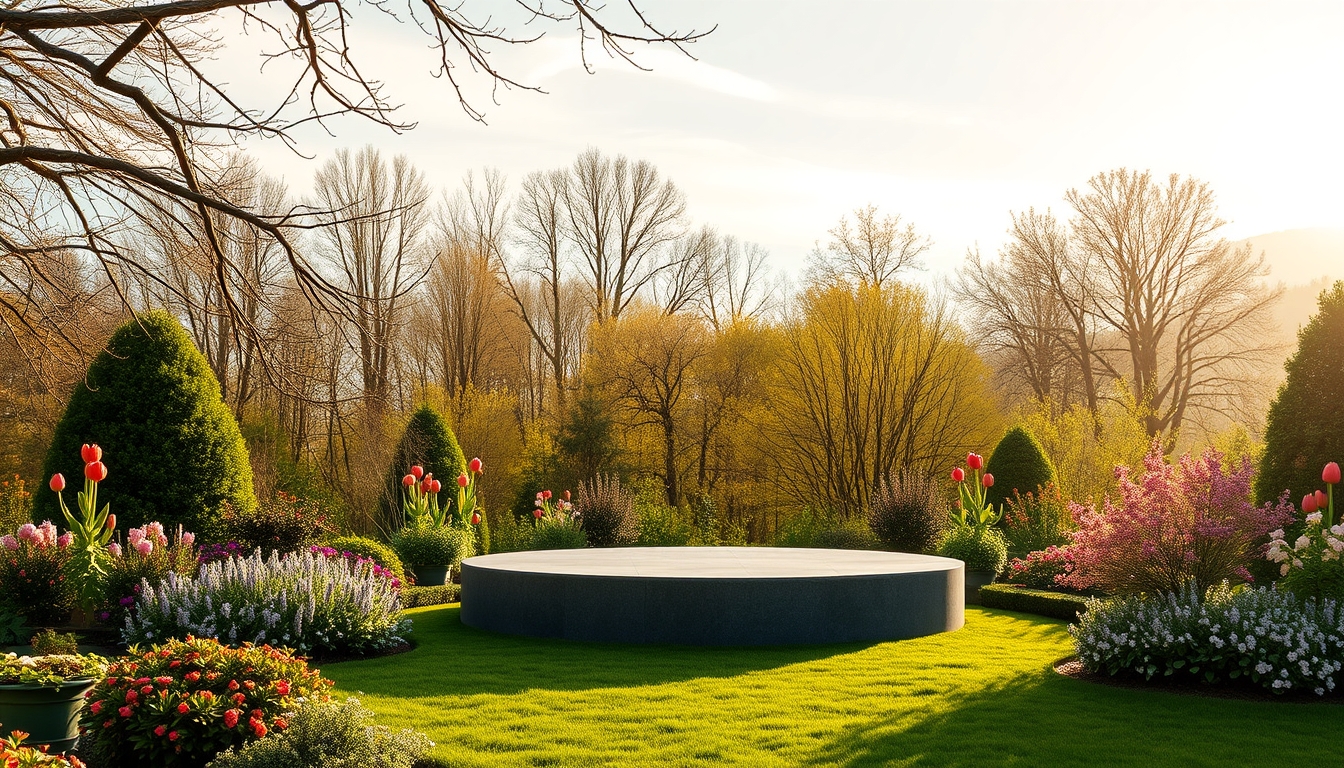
982	696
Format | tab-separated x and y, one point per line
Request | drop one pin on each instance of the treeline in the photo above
577	323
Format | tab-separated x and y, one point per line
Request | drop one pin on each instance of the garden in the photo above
160	614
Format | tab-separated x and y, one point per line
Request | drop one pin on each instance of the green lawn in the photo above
982	696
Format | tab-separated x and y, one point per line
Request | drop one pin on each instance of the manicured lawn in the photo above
982	696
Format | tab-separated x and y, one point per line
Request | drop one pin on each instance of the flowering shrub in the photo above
182	702
303	600
33	574
212	552
905	512
555	523
1271	638
14	755
148	556
1042	569
1312	566
331	734
358	561
1036	520
374	550
1190	521
285	523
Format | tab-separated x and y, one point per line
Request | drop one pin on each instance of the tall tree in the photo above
873	250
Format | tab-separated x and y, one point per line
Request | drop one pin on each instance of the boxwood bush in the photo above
1019	464
1014	597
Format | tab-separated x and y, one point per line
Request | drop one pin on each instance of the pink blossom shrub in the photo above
1192	521
1042	569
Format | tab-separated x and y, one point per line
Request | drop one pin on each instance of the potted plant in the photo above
42	695
972	538
435	538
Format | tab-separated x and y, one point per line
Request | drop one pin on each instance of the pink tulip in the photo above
1331	473
1322	501
144	546
958	474
1309	503
987	480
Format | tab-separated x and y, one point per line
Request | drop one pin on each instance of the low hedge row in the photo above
1012	597
417	597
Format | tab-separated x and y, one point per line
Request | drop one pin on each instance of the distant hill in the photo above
1298	256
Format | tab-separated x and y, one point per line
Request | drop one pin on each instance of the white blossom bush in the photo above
304	600
1272	638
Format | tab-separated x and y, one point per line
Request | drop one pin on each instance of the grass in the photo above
985	695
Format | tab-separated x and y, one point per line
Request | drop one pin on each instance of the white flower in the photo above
1302	542
1283	570
1313	518
1297	563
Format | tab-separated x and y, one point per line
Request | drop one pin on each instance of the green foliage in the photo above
511	534
33	579
587	440
819	529
13	627
330	735
484	545
982	549
606	511
49	669
418	597
1019	464
434	545
1305	426
16	504
553	534
49	642
284	523
1035	520
173	450
376	551
906	513
1055	605
429	442
663	526
850	534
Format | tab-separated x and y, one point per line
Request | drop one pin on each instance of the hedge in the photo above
418	597
1013	597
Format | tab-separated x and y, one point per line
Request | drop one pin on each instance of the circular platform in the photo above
713	595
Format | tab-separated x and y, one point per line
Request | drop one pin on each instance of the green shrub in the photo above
1018	464
663	526
284	523
374	550
330	735
510	535
209	679
434	545
850	534
548	534
174	452
428	442
13	627
418	597
1305	426
982	549
607	512
1033	521
800	529
1011	597
16	504
49	642
906	513
33	575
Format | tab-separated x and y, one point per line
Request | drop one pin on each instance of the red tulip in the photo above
1309	503
987	480
425	485
475	466
112	523
462	481
566	495
958	475
974	461
546	495
417	471
475	518
408	480
537	513
96	471
91	453
1322	501
1331	473
435	486
58	482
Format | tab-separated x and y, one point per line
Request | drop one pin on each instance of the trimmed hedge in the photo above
1013	597
429	442
1018	463
173	451
418	597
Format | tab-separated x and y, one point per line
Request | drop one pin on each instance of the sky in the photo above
950	114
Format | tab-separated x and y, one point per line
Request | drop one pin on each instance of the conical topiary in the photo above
1018	463
430	443
173	451
1305	426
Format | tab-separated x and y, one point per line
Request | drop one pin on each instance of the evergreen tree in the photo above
173	451
1018	463
430	443
1305	426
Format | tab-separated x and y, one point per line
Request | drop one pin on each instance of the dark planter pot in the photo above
430	575
48	714
974	581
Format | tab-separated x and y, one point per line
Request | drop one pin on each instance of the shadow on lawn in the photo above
451	658
1046	719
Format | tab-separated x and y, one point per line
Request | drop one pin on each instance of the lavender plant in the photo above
302	600
1269	637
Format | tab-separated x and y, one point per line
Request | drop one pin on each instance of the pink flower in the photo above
64	540
974	461
114	549
958	474
1331	473
1309	503
27	532
46	534
9	542
188	538
144	546
135	535
58	482
987	480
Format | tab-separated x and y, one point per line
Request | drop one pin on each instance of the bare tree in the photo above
872	252
735	283
375	244
108	109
